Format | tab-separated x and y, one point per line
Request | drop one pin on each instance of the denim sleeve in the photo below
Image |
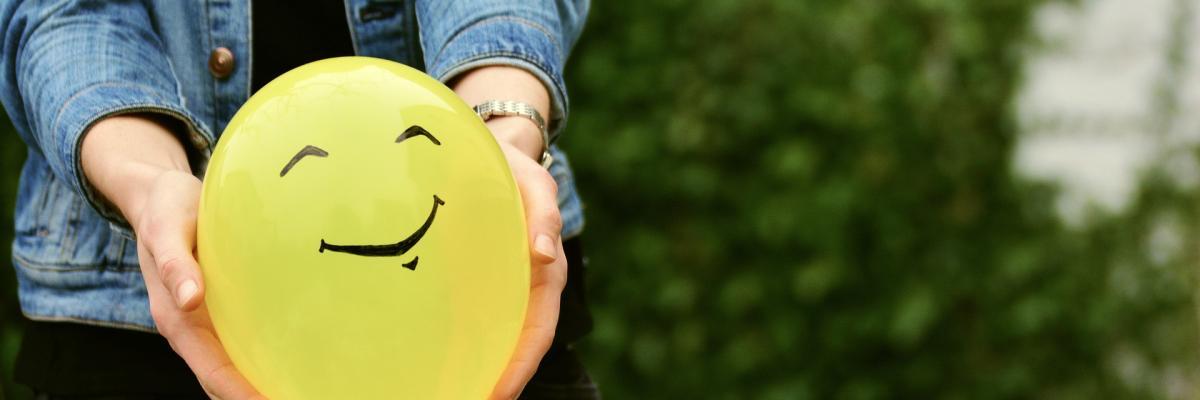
535	35
68	64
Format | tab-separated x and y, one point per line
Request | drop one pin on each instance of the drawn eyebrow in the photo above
309	150
417	130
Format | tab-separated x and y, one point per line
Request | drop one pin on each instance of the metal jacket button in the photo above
220	62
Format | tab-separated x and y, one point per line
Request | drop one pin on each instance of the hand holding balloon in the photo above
548	273
521	142
140	167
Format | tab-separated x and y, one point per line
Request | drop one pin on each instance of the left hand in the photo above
548	274
521	141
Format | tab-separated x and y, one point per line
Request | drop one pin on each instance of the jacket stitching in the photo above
87	90
89	321
31	265
498	19
68	242
455	69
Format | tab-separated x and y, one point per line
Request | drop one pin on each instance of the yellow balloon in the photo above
361	237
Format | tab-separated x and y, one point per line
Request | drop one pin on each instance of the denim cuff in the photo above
509	41
100	101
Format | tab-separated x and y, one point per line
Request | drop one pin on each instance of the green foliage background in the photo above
814	199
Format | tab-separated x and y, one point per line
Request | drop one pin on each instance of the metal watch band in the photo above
509	108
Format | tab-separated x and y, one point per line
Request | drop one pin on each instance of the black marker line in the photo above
416	130
309	150
387	250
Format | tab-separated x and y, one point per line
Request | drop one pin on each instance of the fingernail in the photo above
544	246
186	291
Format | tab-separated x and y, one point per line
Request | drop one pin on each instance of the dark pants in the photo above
72	361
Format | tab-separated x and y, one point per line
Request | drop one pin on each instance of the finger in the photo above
169	233
191	335
199	347
537	334
539	196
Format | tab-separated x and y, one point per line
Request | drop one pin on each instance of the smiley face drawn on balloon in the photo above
377	250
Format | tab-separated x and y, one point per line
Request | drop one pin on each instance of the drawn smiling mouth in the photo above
389	250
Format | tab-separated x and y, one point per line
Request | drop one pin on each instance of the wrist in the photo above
504	83
518	132
123	156
140	180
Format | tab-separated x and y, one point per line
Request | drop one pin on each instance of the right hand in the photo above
166	232
137	165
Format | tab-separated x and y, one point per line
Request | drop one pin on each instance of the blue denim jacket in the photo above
67	64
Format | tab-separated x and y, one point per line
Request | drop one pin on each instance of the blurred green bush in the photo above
806	199
813	199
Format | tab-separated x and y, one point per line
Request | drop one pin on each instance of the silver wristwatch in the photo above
509	108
